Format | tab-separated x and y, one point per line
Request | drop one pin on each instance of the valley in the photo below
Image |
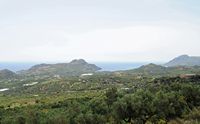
79	93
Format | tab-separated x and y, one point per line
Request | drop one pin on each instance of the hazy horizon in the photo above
98	30
105	66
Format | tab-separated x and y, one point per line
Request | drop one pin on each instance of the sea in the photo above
106	66
119	66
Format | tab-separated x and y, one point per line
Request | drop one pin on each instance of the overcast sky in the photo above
98	30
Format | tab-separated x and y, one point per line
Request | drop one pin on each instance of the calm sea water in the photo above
16	66
119	66
105	66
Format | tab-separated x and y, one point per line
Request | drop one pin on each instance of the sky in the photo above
98	30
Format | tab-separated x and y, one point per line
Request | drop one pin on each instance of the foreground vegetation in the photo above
112	100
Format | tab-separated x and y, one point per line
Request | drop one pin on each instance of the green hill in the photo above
6	74
158	70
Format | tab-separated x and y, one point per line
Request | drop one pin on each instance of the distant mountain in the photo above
6	74
73	68
184	60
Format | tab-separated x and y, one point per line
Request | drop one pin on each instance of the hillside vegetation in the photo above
160	100
76	93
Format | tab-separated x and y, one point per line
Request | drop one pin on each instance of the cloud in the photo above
132	30
140	41
135	43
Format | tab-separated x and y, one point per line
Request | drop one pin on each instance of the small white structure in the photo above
125	88
5	89
56	76
87	74
31	84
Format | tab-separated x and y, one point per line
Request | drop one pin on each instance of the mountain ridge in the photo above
184	60
73	68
